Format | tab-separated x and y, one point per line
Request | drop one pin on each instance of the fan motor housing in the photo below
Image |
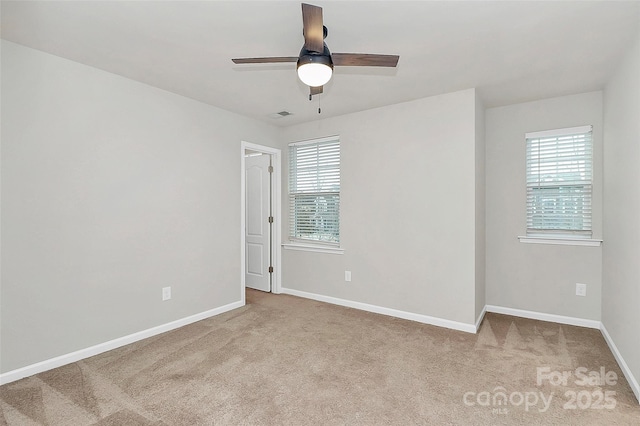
309	57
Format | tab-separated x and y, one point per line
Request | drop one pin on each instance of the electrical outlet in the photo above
166	293
581	289
347	275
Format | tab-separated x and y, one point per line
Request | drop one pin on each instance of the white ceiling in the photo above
510	51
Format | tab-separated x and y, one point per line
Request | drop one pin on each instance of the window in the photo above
559	182
314	190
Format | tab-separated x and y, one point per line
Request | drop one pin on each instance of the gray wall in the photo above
538	277
408	202
111	190
621	256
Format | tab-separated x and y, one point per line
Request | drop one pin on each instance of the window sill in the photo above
313	248
566	241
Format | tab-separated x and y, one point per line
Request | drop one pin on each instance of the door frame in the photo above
276	207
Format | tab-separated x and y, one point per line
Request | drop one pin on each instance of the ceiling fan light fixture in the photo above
315	70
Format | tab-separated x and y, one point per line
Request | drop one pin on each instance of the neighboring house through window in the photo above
314	191
559	182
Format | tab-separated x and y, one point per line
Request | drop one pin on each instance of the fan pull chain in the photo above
319	109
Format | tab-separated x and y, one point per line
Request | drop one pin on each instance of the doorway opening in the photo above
260	218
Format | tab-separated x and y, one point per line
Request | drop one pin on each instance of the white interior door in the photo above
257	225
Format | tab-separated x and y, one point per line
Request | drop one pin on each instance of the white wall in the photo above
408	202
621	255
538	277
111	190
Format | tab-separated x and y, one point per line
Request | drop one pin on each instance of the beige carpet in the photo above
285	360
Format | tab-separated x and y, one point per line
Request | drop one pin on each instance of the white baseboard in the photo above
39	367
425	319
635	387
480	318
560	319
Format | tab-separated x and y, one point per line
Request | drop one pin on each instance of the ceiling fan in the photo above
315	63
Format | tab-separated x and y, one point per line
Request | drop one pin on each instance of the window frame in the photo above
309	244
568	235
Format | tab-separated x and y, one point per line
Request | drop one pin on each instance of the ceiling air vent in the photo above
280	114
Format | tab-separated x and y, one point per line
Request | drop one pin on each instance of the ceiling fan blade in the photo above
273	59
364	60
312	28
315	90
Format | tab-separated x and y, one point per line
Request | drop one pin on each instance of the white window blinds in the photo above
314	190
559	182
